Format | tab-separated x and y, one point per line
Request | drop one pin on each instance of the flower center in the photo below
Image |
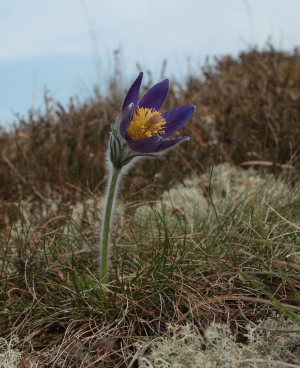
146	123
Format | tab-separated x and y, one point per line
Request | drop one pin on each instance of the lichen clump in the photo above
185	347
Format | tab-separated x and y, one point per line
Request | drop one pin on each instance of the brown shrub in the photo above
247	109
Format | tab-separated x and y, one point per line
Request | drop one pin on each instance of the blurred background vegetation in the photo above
247	110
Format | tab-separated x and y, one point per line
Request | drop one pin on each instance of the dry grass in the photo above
234	263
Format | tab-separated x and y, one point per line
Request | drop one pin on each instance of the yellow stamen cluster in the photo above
146	123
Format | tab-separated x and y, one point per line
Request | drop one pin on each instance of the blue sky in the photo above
66	46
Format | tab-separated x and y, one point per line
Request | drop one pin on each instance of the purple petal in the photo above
144	145
177	118
125	118
133	92
164	145
155	97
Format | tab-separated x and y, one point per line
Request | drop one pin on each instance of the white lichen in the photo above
9	356
183	205
196	200
185	347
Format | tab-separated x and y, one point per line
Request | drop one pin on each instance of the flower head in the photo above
141	128
142	124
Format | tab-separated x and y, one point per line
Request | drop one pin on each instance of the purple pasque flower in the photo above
143	126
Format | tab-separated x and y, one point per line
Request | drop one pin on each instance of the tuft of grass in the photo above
236	260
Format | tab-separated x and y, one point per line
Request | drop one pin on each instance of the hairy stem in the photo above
104	253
